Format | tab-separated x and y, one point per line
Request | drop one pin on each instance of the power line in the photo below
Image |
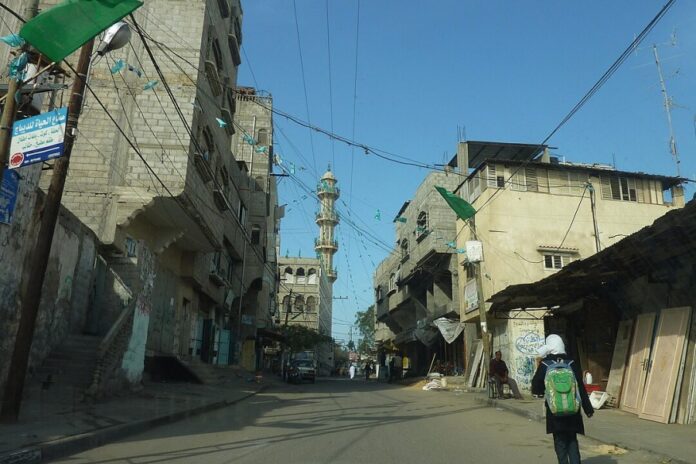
593	90
246	59
304	81
328	54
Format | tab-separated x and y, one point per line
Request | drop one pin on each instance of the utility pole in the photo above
30	291
598	245
668	110
9	111
483	314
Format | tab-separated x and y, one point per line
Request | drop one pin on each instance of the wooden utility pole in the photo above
9	111
30	291
598	244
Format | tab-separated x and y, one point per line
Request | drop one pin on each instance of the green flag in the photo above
59	31
463	209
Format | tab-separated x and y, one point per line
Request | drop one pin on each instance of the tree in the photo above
301	338
365	321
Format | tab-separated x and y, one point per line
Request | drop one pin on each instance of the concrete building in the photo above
254	123
534	218
196	225
417	283
305	298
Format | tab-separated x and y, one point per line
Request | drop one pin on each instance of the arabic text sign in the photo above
38	138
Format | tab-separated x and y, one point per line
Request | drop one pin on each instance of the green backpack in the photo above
562	393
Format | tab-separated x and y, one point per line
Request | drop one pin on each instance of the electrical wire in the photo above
328	54
592	91
304	81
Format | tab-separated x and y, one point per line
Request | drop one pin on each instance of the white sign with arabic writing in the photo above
38	138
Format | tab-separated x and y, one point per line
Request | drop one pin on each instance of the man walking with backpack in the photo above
559	379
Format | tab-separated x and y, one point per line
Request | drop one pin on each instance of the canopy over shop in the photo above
626	314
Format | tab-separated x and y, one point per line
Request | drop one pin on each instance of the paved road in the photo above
342	421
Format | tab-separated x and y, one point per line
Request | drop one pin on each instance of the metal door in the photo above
632	393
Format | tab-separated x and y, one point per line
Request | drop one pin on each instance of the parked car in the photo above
301	370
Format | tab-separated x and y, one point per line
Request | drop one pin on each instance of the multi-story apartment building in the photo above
195	218
417	283
253	150
535	214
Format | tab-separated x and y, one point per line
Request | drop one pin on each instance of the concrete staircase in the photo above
70	365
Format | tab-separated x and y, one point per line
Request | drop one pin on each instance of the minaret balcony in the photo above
328	189
332	274
321	244
329	216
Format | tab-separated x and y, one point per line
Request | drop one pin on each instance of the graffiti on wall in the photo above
526	348
134	358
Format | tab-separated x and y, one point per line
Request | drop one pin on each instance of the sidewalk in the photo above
54	424
616	427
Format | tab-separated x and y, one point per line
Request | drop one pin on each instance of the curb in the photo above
78	443
539	417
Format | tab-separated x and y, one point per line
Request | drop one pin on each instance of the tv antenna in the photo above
668	103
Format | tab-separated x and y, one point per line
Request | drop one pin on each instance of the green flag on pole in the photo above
59	31
463	209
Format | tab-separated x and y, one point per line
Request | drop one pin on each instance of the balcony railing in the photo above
328	189
332	274
324	243
327	216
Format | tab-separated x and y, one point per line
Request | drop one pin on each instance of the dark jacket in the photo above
563	423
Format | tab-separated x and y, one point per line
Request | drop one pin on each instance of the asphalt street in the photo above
343	421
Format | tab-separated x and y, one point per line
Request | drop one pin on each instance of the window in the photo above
378	293
209	143
532	182
311	304
474	187
300	274
422	223
392	282
622	188
495	177
286	303
556	261
312	276
404	249
518	180
217	53
299	305
255	234
262	137
287	275
242	213
131	248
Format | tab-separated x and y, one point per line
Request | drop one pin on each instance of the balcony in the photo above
331	216
202	162
233	44
332	274
211	71
326	189
325	243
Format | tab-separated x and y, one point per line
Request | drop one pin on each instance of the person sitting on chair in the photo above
499	373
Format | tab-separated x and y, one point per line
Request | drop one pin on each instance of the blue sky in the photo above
506	71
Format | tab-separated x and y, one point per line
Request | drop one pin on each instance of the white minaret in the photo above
327	219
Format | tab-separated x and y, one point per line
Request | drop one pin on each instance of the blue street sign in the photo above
38	138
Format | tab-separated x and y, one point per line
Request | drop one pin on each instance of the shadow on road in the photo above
302	417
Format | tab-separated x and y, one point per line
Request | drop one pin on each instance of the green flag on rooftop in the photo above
59	31
463	209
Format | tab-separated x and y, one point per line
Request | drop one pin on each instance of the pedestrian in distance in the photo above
368	370
392	369
559	379
351	371
498	371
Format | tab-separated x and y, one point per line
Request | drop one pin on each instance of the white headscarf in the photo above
554	345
